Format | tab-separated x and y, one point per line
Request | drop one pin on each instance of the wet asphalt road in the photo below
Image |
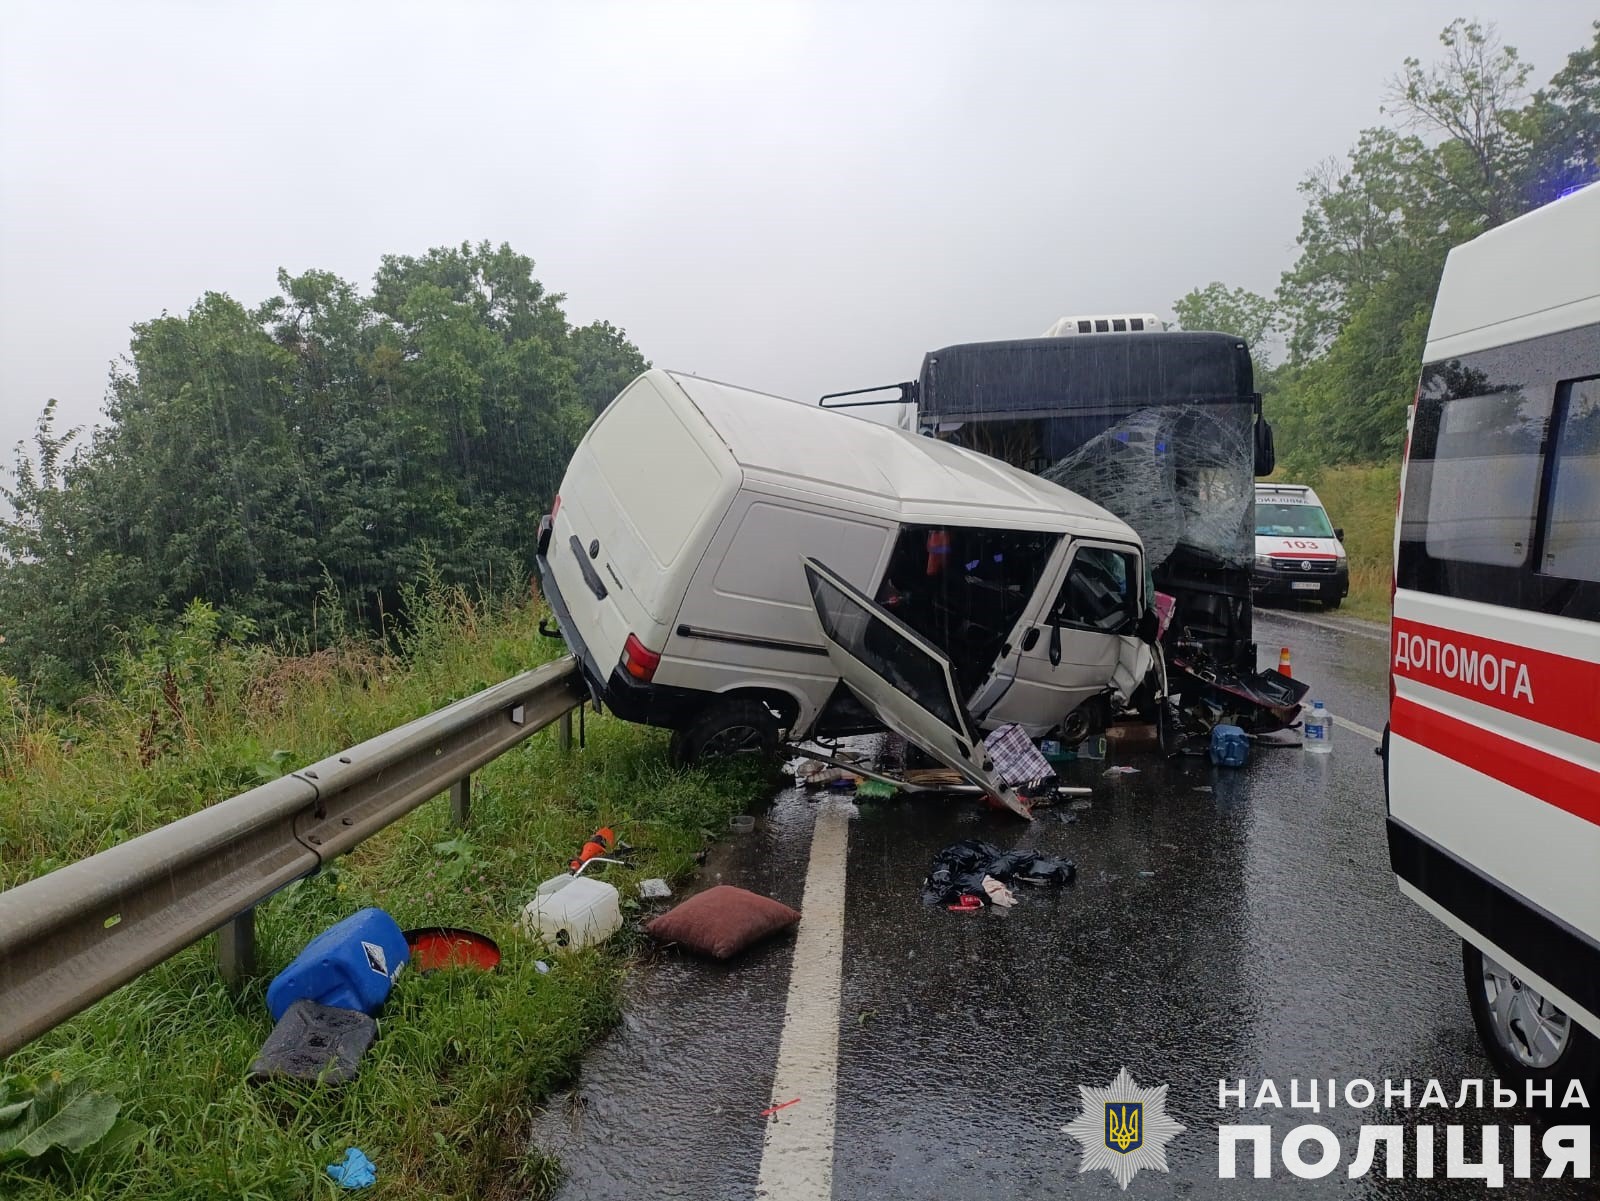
1223	924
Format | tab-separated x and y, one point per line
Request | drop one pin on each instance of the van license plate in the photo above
1305	586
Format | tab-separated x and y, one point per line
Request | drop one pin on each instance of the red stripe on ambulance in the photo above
1557	691
1568	786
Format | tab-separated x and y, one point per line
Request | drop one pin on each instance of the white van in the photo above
1299	553
1493	744
720	560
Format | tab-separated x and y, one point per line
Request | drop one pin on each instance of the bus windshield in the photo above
1291	521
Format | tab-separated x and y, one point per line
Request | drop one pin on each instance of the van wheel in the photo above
1525	1035
725	729
1333	602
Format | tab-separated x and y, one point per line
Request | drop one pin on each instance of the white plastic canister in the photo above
573	911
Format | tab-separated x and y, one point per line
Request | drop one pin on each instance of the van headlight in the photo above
1263	560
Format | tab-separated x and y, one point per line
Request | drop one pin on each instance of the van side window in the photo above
1486	470
1100	592
1572	538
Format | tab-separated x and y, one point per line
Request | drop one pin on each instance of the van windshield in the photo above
963	588
1275	520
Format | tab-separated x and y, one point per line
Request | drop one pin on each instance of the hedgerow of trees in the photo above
1465	147
298	464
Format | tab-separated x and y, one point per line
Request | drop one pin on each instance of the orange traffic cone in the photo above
1283	663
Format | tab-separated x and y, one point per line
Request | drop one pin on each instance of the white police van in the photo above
1299	553
1493	744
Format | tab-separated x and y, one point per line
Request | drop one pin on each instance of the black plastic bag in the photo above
959	870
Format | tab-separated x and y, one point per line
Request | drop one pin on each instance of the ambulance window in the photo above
1572	535
1101	591
1485	487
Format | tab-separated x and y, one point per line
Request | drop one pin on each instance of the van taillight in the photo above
555	508
638	662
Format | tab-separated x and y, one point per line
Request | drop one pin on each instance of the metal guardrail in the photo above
73	936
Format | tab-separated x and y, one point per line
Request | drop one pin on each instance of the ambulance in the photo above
1299	552
1492	767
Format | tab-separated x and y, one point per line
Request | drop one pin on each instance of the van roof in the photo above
820	450
1538	274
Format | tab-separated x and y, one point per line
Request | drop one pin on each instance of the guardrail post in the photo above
460	801
236	949
566	730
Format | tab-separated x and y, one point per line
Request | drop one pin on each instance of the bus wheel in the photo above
725	729
1525	1035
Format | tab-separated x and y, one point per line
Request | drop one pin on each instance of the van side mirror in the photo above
1149	627
1338	532
1266	454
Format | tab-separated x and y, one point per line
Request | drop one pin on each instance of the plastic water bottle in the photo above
1317	730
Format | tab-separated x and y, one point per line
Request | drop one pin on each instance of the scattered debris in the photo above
568	912
1080	806
1204	788
600	843
355	1170
871	789
968	903
321	1043
772	1109
1120	769
1230	745
742	824
436	947
1016	760
998	893
350	965
1147	875
722	921
654	889
959	872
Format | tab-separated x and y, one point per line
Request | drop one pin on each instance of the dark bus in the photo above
1162	428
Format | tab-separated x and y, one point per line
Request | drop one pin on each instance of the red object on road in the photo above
966	904
767	1113
1283	663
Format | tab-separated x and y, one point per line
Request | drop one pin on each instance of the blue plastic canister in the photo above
351	965
1230	746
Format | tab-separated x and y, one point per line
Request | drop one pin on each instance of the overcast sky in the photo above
799	198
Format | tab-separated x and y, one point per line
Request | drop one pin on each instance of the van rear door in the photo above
902	678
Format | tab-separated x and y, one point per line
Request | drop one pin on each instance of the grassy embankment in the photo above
443	1099
1361	500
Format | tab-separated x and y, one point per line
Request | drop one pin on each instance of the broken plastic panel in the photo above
1179	474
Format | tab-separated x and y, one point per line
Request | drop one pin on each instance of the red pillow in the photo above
722	921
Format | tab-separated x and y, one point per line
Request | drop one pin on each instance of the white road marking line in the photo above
1337	626
1364	731
797	1155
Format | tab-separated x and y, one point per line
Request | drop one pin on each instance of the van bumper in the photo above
630	699
1277	583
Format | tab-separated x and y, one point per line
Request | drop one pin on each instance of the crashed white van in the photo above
720	561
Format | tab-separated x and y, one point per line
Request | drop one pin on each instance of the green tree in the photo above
327	444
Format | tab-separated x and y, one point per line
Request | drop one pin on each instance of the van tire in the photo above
1333	602
1579	1059
724	729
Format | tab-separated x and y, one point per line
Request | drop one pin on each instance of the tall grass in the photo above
445	1094
1360	500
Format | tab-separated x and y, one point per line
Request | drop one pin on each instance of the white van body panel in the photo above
704	498
649	487
1503	773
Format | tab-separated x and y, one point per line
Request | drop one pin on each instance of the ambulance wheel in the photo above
725	729
1526	1036
1333	602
